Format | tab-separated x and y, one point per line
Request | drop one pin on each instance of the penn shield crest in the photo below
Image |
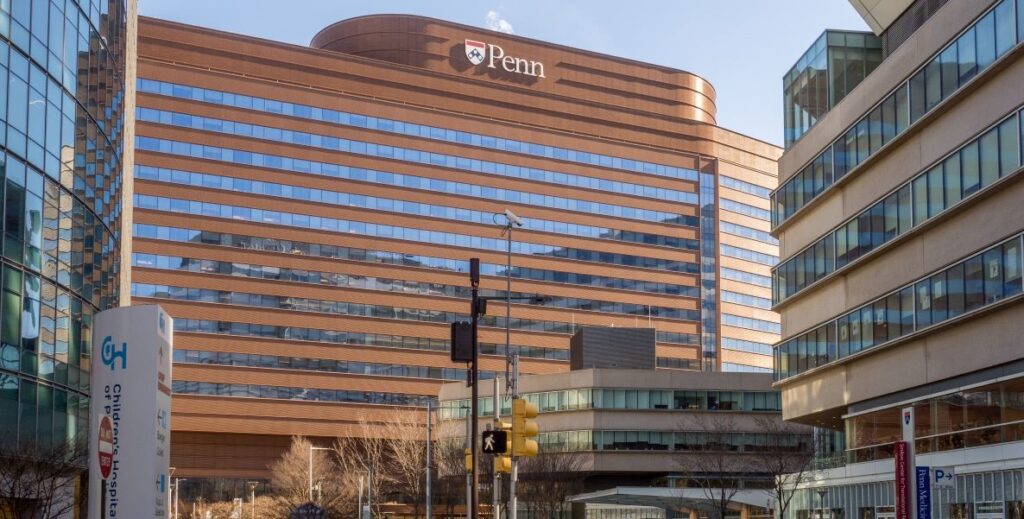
476	51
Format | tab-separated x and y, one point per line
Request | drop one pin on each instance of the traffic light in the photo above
524	428
462	342
503	461
469	461
502	464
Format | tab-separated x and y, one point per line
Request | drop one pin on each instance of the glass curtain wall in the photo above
61	116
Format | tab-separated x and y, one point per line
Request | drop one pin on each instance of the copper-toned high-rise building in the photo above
307	215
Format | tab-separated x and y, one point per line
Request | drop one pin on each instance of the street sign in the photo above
308	510
943	477
494	442
106	446
924	492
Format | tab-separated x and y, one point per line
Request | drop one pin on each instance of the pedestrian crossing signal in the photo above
494	442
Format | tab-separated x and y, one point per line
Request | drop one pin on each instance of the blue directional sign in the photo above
924	492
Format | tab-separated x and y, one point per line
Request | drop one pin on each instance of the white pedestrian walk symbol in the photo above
494	442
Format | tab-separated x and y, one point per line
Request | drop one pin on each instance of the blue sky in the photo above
742	46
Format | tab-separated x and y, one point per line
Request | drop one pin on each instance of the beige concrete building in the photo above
633	430
900	216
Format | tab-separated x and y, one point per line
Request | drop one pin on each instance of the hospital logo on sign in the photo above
476	51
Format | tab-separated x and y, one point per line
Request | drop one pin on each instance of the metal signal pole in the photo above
513	501
474	372
430	447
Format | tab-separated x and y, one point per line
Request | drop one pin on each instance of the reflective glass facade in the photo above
965	57
62	102
832	67
984	279
950	182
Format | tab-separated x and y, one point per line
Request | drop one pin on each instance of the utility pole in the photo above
469	469
496	484
430	447
477	308
513	500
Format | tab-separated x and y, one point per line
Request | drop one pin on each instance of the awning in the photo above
670	498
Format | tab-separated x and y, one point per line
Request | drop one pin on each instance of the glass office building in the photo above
821	78
62	118
310	225
900	279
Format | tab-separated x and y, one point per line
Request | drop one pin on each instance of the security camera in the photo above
513	219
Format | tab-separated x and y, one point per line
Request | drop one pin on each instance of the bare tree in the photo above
367	455
332	489
548	480
450	467
406	440
786	455
38	480
710	459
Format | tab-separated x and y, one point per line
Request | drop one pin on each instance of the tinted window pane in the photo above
1012	268
1005	27
844	336
950	70
917	97
891	217
933	84
938	297
951	172
971	168
1009	154
974	286
955	290
993	261
920	199
986	37
905	210
967	56
923	292
892	316
907	310
935	191
988	148
902	110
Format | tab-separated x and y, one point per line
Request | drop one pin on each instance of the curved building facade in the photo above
307	215
63	70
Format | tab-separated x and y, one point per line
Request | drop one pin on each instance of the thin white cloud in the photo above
495	22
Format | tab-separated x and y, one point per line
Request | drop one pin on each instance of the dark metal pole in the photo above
474	495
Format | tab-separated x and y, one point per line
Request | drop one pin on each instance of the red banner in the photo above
902	483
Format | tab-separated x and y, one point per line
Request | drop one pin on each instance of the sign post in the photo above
924	492
906	489
130	423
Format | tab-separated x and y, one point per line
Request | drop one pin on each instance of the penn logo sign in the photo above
478	52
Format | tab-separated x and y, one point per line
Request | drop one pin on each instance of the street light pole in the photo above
311	449
430	447
177	496
252	489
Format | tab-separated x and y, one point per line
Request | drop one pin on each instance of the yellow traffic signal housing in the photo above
524	428
503	464
469	460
